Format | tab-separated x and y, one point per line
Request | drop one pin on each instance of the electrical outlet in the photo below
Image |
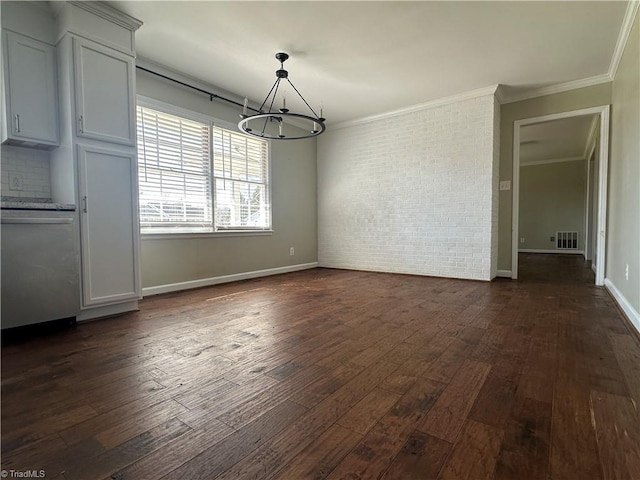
15	182
292	251
552	239
521	239
626	271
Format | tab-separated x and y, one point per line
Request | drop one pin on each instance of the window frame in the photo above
177	232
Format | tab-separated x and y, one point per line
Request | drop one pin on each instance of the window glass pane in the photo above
241	204
241	180
173	170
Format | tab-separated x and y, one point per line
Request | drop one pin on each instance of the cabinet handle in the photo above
81	123
84	204
17	123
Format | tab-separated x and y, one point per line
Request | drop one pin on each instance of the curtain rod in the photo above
211	94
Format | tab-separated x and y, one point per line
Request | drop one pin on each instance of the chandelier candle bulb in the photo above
315	127
246	104
280	129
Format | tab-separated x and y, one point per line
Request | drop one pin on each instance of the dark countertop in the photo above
19	205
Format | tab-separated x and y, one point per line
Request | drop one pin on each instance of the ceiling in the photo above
557	140
358	59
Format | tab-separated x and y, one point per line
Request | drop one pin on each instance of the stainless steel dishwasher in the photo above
40	266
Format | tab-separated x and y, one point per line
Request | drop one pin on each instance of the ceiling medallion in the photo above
270	124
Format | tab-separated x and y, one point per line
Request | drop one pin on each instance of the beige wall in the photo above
559	102
552	198
293	187
623	239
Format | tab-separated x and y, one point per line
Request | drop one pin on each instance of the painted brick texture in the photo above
413	193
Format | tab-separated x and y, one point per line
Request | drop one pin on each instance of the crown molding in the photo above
561	87
109	13
551	160
500	94
623	36
481	92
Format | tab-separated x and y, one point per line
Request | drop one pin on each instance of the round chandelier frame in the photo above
315	121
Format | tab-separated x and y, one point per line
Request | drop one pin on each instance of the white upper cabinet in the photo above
105	95
30	92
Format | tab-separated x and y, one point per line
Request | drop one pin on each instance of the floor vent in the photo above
567	240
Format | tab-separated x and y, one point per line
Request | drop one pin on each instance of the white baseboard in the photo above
626	307
504	273
206	282
107	311
536	250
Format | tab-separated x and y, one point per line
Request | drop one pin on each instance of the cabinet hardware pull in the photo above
84	202
17	123
81	123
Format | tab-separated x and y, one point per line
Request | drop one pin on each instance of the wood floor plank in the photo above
161	413
174	454
317	391
474	456
373	455
319	459
524	452
366	413
126	453
423	394
253	406
218	458
574	450
421	458
449	413
617	424
12	439
628	355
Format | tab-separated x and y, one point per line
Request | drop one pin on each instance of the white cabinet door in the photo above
109	226
30	91
105	93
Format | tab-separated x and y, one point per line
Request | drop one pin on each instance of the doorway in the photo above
593	245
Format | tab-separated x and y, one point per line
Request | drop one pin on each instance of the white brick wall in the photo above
32	165
413	193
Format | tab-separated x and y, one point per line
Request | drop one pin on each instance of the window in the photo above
195	176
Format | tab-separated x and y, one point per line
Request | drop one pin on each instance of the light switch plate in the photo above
505	185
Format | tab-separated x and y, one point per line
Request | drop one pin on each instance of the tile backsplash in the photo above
25	173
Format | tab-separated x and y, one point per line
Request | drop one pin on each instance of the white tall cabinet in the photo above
95	166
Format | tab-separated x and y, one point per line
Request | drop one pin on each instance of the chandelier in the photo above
271	124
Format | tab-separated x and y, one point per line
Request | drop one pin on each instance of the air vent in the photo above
567	240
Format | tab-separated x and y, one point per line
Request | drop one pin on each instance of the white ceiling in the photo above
364	58
564	139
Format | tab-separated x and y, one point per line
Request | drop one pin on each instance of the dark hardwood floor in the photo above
339	375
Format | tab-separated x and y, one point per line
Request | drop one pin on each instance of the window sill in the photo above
164	235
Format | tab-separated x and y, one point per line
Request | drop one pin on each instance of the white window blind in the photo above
179	190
